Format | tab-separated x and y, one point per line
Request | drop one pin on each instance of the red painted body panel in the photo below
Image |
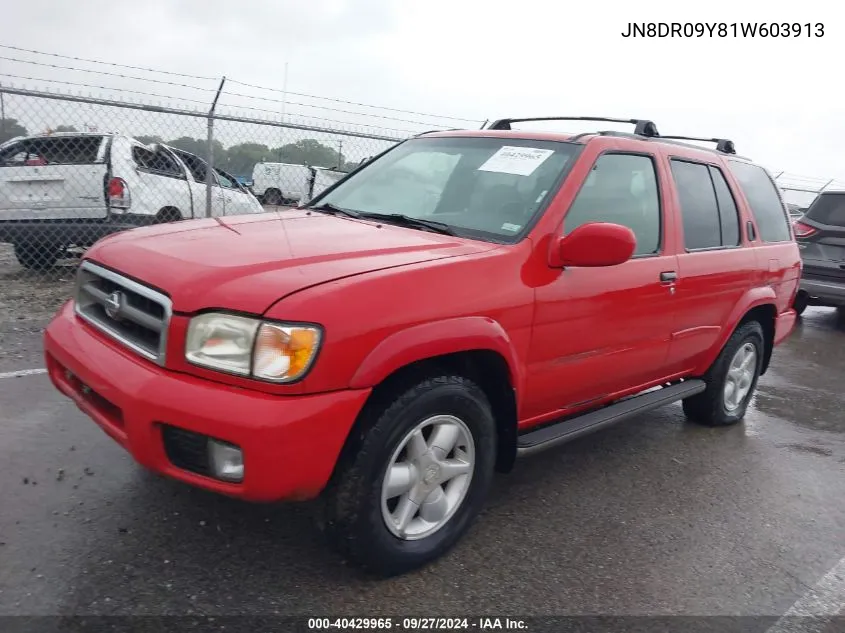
284	457
387	296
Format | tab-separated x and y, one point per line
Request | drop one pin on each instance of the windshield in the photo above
487	188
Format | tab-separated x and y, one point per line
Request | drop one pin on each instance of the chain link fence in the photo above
74	169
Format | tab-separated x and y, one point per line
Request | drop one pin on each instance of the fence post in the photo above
209	174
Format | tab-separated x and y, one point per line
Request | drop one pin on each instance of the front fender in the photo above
754	297
437	338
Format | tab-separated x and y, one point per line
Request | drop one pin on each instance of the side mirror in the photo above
593	245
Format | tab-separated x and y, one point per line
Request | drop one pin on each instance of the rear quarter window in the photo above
764	200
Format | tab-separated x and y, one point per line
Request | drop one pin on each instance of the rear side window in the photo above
708	209
621	188
57	150
828	208
728	213
157	162
764	200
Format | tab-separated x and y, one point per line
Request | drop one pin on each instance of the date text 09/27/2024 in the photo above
724	29
418	624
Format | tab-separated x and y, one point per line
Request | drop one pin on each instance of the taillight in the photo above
118	193
803	230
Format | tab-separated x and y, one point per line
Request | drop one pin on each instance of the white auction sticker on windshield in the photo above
519	161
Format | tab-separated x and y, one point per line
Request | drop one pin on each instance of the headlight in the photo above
278	352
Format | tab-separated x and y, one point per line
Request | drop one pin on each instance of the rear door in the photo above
198	169
821	238
715	269
54	177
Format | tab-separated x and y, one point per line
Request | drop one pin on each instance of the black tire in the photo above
708	407
802	300
352	516
273	197
38	255
168	214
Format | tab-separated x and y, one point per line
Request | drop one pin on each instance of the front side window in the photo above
621	189
485	188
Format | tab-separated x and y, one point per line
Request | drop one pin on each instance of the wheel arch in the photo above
488	368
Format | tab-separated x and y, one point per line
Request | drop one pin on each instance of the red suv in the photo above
462	299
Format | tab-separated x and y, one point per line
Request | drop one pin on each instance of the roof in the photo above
583	137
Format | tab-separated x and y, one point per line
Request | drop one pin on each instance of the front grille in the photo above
133	314
186	450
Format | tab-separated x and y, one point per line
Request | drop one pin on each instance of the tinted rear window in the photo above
828	208
57	150
764	200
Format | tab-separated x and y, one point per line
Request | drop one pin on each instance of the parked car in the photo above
390	357
286	183
820	234
71	189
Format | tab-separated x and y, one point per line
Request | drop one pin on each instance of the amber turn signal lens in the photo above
284	353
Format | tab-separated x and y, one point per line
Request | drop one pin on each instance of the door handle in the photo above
668	276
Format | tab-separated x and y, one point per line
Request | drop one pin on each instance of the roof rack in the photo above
643	127
724	145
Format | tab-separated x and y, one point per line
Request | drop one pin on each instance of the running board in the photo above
572	428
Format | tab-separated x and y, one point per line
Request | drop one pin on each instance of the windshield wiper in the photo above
407	220
328	207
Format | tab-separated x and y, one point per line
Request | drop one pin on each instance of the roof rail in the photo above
643	127
726	146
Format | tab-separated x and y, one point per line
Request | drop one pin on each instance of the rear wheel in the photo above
38	255
418	479
731	380
273	197
802	300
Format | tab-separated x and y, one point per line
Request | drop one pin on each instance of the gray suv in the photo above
820	234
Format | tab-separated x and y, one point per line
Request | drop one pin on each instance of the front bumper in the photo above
79	232
828	292
290	443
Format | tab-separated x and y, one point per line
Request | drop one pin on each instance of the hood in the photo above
249	262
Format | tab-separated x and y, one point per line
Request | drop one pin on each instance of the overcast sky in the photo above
777	98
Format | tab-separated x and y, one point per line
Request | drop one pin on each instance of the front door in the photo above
598	331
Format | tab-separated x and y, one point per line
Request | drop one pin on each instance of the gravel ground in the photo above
27	302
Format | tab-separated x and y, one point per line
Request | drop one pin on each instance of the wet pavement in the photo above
655	516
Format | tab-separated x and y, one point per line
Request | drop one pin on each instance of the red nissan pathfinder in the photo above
463	299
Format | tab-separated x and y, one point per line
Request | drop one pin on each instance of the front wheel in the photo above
731	380
419	478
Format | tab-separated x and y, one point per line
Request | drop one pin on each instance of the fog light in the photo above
227	460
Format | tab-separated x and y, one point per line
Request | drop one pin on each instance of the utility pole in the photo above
284	105
209	172
339	154
2	116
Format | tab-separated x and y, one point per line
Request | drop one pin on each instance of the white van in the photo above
71	189
281	183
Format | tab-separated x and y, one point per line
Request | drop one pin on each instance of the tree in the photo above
149	140
10	128
200	148
241	159
307	152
